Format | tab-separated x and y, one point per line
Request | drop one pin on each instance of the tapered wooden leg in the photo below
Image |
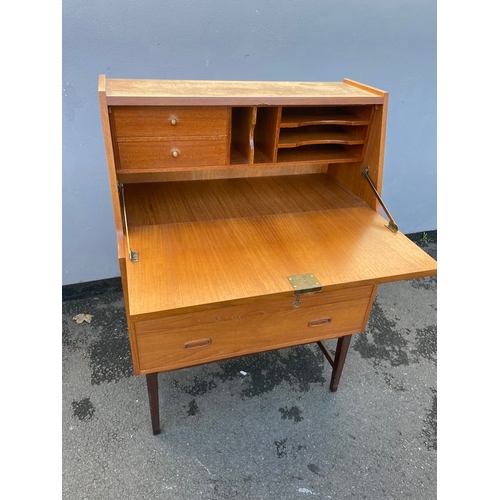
337	362
152	381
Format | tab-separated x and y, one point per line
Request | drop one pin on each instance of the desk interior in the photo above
196	201
223	240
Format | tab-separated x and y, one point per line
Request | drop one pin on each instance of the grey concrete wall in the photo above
389	44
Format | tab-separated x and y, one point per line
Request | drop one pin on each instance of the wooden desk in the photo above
248	217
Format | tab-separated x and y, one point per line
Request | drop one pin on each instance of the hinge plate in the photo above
393	226
305	283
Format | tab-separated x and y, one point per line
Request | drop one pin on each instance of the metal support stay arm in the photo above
132	254
392	225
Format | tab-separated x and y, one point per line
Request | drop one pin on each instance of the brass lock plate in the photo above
305	283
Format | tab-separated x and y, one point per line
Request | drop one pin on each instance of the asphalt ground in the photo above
263	426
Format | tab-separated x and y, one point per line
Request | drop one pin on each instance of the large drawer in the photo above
155	121
167	154
190	339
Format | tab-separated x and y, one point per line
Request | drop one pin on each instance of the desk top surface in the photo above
130	91
183	265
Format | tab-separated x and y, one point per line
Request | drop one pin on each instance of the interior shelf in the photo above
289	134
319	115
327	153
333	134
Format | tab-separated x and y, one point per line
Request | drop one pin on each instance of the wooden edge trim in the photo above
130	324
101	86
288	294
362	86
103	106
381	159
240	101
370	305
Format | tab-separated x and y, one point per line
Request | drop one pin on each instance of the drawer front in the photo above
169	154
187	340
153	121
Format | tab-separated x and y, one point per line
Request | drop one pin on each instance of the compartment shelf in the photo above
242	130
321	153
290	138
312	134
292	117
237	157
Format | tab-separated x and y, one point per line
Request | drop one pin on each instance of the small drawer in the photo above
170	154
186	340
164	121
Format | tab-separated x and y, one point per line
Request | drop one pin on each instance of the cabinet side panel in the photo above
130	324
350	174
110	157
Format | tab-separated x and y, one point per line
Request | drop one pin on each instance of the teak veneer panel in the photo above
233	172
243	123
159	153
291	138
168	121
322	153
293	117
202	337
191	201
267	132
234	93
349	175
219	261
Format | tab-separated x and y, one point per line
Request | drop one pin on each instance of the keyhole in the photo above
296	302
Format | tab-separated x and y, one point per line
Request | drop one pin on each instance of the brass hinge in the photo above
391	225
133	255
304	283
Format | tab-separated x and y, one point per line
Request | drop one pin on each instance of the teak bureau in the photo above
248	217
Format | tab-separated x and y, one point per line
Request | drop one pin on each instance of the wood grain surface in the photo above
190	339
190	264
234	93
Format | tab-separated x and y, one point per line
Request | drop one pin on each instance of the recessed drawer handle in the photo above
193	344
320	322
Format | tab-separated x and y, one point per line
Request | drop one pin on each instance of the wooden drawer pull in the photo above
320	322
197	343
